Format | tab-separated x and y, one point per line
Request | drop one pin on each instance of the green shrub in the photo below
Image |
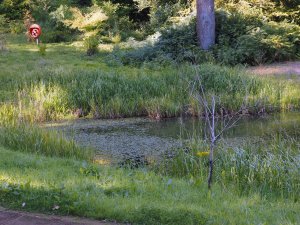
177	44
116	39
135	57
272	10
245	40
243	37
161	12
57	35
3	25
12	9
117	22
42	49
91	45
54	30
16	27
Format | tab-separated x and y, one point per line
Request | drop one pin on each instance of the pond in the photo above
145	137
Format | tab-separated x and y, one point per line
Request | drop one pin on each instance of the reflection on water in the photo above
138	136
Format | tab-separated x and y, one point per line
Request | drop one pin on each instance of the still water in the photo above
143	136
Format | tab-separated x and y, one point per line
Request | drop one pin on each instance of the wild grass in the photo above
66	81
269	166
51	94
32	139
135	196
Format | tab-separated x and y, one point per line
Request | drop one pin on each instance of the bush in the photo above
91	45
116	38
16	27
3	24
42	49
244	36
117	22
55	31
13	10
56	35
272	10
268	42
240	39
177	44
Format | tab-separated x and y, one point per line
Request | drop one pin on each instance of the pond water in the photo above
146	137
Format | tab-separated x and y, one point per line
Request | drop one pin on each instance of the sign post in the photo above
35	31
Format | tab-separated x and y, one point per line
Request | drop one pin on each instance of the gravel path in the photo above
9	217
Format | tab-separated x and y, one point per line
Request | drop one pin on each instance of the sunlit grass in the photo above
268	165
32	139
101	88
136	196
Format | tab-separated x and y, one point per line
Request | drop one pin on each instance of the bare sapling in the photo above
208	103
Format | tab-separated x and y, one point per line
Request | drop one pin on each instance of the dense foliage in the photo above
248	31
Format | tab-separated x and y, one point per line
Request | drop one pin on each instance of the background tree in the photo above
206	25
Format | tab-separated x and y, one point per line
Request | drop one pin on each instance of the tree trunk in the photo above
206	24
210	165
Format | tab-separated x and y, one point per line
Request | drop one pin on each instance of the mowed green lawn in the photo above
135	196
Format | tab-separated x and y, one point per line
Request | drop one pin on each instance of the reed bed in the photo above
32	139
269	166
53	94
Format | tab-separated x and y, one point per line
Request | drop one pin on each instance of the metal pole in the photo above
37	41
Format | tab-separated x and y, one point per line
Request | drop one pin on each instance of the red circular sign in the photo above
35	31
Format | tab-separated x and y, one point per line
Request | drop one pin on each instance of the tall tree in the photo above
206	25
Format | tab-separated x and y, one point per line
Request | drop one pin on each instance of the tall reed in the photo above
53	94
30	138
270	167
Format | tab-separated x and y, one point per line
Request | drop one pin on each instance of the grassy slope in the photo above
23	58
65	80
137	196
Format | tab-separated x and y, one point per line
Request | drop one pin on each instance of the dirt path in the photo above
286	68
9	217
